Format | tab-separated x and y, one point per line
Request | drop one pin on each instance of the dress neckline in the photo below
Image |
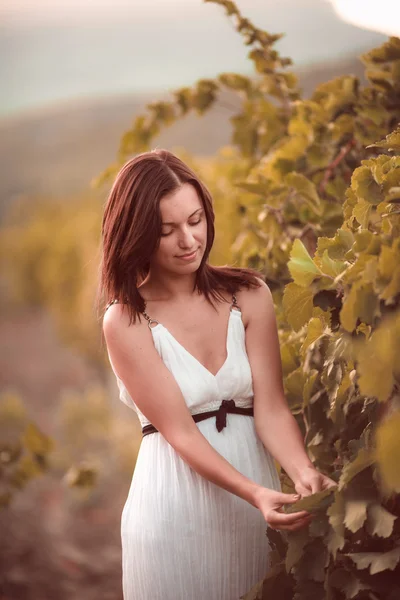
160	327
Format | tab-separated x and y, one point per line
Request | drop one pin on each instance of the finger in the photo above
294	526
304	492
277	519
316	483
328	483
286	498
316	486
300	525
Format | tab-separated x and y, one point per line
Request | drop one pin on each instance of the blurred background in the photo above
74	75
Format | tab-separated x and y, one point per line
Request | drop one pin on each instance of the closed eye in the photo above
192	224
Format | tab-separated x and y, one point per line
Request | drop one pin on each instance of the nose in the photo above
186	239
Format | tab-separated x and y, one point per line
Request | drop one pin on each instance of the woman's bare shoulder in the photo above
117	326
254	299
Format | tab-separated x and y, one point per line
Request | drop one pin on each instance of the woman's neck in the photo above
169	287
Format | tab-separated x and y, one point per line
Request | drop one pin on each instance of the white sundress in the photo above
184	537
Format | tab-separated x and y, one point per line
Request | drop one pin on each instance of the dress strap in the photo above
149	320
110	303
235	304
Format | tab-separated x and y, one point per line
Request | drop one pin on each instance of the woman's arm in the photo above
158	396
274	422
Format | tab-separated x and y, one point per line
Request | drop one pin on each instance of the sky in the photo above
49	10
60	50
381	16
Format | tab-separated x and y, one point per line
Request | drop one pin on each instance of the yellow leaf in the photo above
36	441
388	452
361	212
380	521
378	355
355	514
301	266
330	266
295	383
361	303
314	331
298	305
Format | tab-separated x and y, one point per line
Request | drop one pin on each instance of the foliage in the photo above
90	442
24	449
342	373
324	229
50	257
315	185
92	438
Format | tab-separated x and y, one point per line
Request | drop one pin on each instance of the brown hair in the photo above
131	228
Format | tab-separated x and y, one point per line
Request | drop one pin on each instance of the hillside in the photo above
56	151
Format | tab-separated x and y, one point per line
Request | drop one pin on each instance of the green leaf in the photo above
315	503
301	266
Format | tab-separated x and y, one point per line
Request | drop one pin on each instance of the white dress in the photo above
184	537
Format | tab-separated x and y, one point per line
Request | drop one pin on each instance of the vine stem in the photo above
342	153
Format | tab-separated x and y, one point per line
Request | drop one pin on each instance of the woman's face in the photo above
183	232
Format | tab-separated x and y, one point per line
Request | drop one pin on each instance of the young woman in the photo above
196	354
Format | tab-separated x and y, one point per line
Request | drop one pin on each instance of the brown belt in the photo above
227	406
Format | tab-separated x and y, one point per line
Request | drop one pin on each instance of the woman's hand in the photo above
311	481
270	504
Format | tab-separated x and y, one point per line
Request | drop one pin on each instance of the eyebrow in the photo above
172	223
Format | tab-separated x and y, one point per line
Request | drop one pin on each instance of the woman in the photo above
195	351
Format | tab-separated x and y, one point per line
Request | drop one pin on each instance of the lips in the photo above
190	255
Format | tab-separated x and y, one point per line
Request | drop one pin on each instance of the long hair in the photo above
131	231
